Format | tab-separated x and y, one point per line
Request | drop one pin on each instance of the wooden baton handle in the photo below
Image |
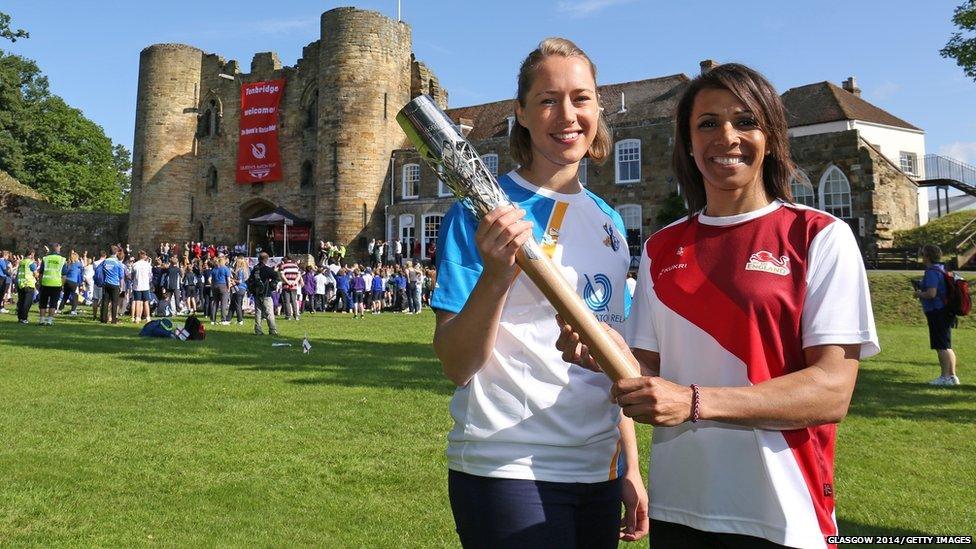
546	276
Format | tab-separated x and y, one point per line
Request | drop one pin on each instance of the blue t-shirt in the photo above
934	278
73	272
220	275
401	281
342	282
4	265
114	271
241	275
377	283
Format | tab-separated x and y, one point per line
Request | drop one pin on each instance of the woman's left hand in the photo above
634	524
653	400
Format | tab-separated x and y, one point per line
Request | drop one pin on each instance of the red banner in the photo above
258	156
295	232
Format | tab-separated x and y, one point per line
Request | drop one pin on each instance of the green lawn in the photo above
109	439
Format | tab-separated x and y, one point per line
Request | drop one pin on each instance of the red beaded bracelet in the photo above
695	403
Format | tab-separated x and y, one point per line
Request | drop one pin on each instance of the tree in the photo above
52	147
960	47
672	209
6	32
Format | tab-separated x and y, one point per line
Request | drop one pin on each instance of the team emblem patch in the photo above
680	251
597	292
611	241
768	263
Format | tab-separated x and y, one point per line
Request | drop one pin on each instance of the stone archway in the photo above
259	235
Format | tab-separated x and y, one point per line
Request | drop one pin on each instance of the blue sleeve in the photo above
931	279
459	264
64	269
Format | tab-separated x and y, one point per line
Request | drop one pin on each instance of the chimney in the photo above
851	85
707	65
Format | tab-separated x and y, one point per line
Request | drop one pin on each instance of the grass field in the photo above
113	440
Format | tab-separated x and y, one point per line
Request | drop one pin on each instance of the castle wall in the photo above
27	222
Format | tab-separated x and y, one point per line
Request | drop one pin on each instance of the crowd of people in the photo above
211	280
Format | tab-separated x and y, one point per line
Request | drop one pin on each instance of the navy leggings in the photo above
511	513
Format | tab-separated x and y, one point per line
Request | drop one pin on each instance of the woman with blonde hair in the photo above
241	273
538	456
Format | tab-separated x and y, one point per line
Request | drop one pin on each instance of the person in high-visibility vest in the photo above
25	285
51	282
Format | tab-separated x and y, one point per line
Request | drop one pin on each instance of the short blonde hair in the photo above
520	141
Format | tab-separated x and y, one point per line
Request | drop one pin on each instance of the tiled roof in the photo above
825	102
650	99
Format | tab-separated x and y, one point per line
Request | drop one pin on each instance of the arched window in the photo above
312	111
835	193
432	226
213	120
411	181
211	180
632	214
628	161
802	190
491	162
308	176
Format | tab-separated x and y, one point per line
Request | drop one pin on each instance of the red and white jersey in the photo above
733	301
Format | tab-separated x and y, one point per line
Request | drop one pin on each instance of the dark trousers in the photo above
3	291
341	301
669	534
511	513
110	303
220	297
237	304
25	298
69	293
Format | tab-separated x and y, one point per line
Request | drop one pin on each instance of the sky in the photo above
90	49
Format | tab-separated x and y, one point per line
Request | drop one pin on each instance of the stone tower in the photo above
364	79
336	129
162	150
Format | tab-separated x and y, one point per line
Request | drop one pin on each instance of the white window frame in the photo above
424	236
908	162
831	177
411	171
632	216
631	148
442	188
491	162
581	174
808	197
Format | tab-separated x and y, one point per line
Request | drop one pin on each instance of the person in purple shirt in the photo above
308	288
358	286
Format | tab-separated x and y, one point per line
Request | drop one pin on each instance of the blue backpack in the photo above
100	275
158	328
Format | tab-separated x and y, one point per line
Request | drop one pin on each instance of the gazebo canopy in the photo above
279	216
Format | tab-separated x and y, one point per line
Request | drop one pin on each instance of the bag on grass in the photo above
195	328
158	328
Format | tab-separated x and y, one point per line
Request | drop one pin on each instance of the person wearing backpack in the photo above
262	281
933	293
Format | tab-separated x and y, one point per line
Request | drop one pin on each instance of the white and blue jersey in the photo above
527	414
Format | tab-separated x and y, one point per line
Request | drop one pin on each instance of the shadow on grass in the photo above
891	393
352	363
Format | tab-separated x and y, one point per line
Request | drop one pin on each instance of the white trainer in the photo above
939	381
953	380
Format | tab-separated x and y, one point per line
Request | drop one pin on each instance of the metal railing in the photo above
944	167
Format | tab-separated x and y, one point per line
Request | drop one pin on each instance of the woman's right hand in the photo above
499	236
